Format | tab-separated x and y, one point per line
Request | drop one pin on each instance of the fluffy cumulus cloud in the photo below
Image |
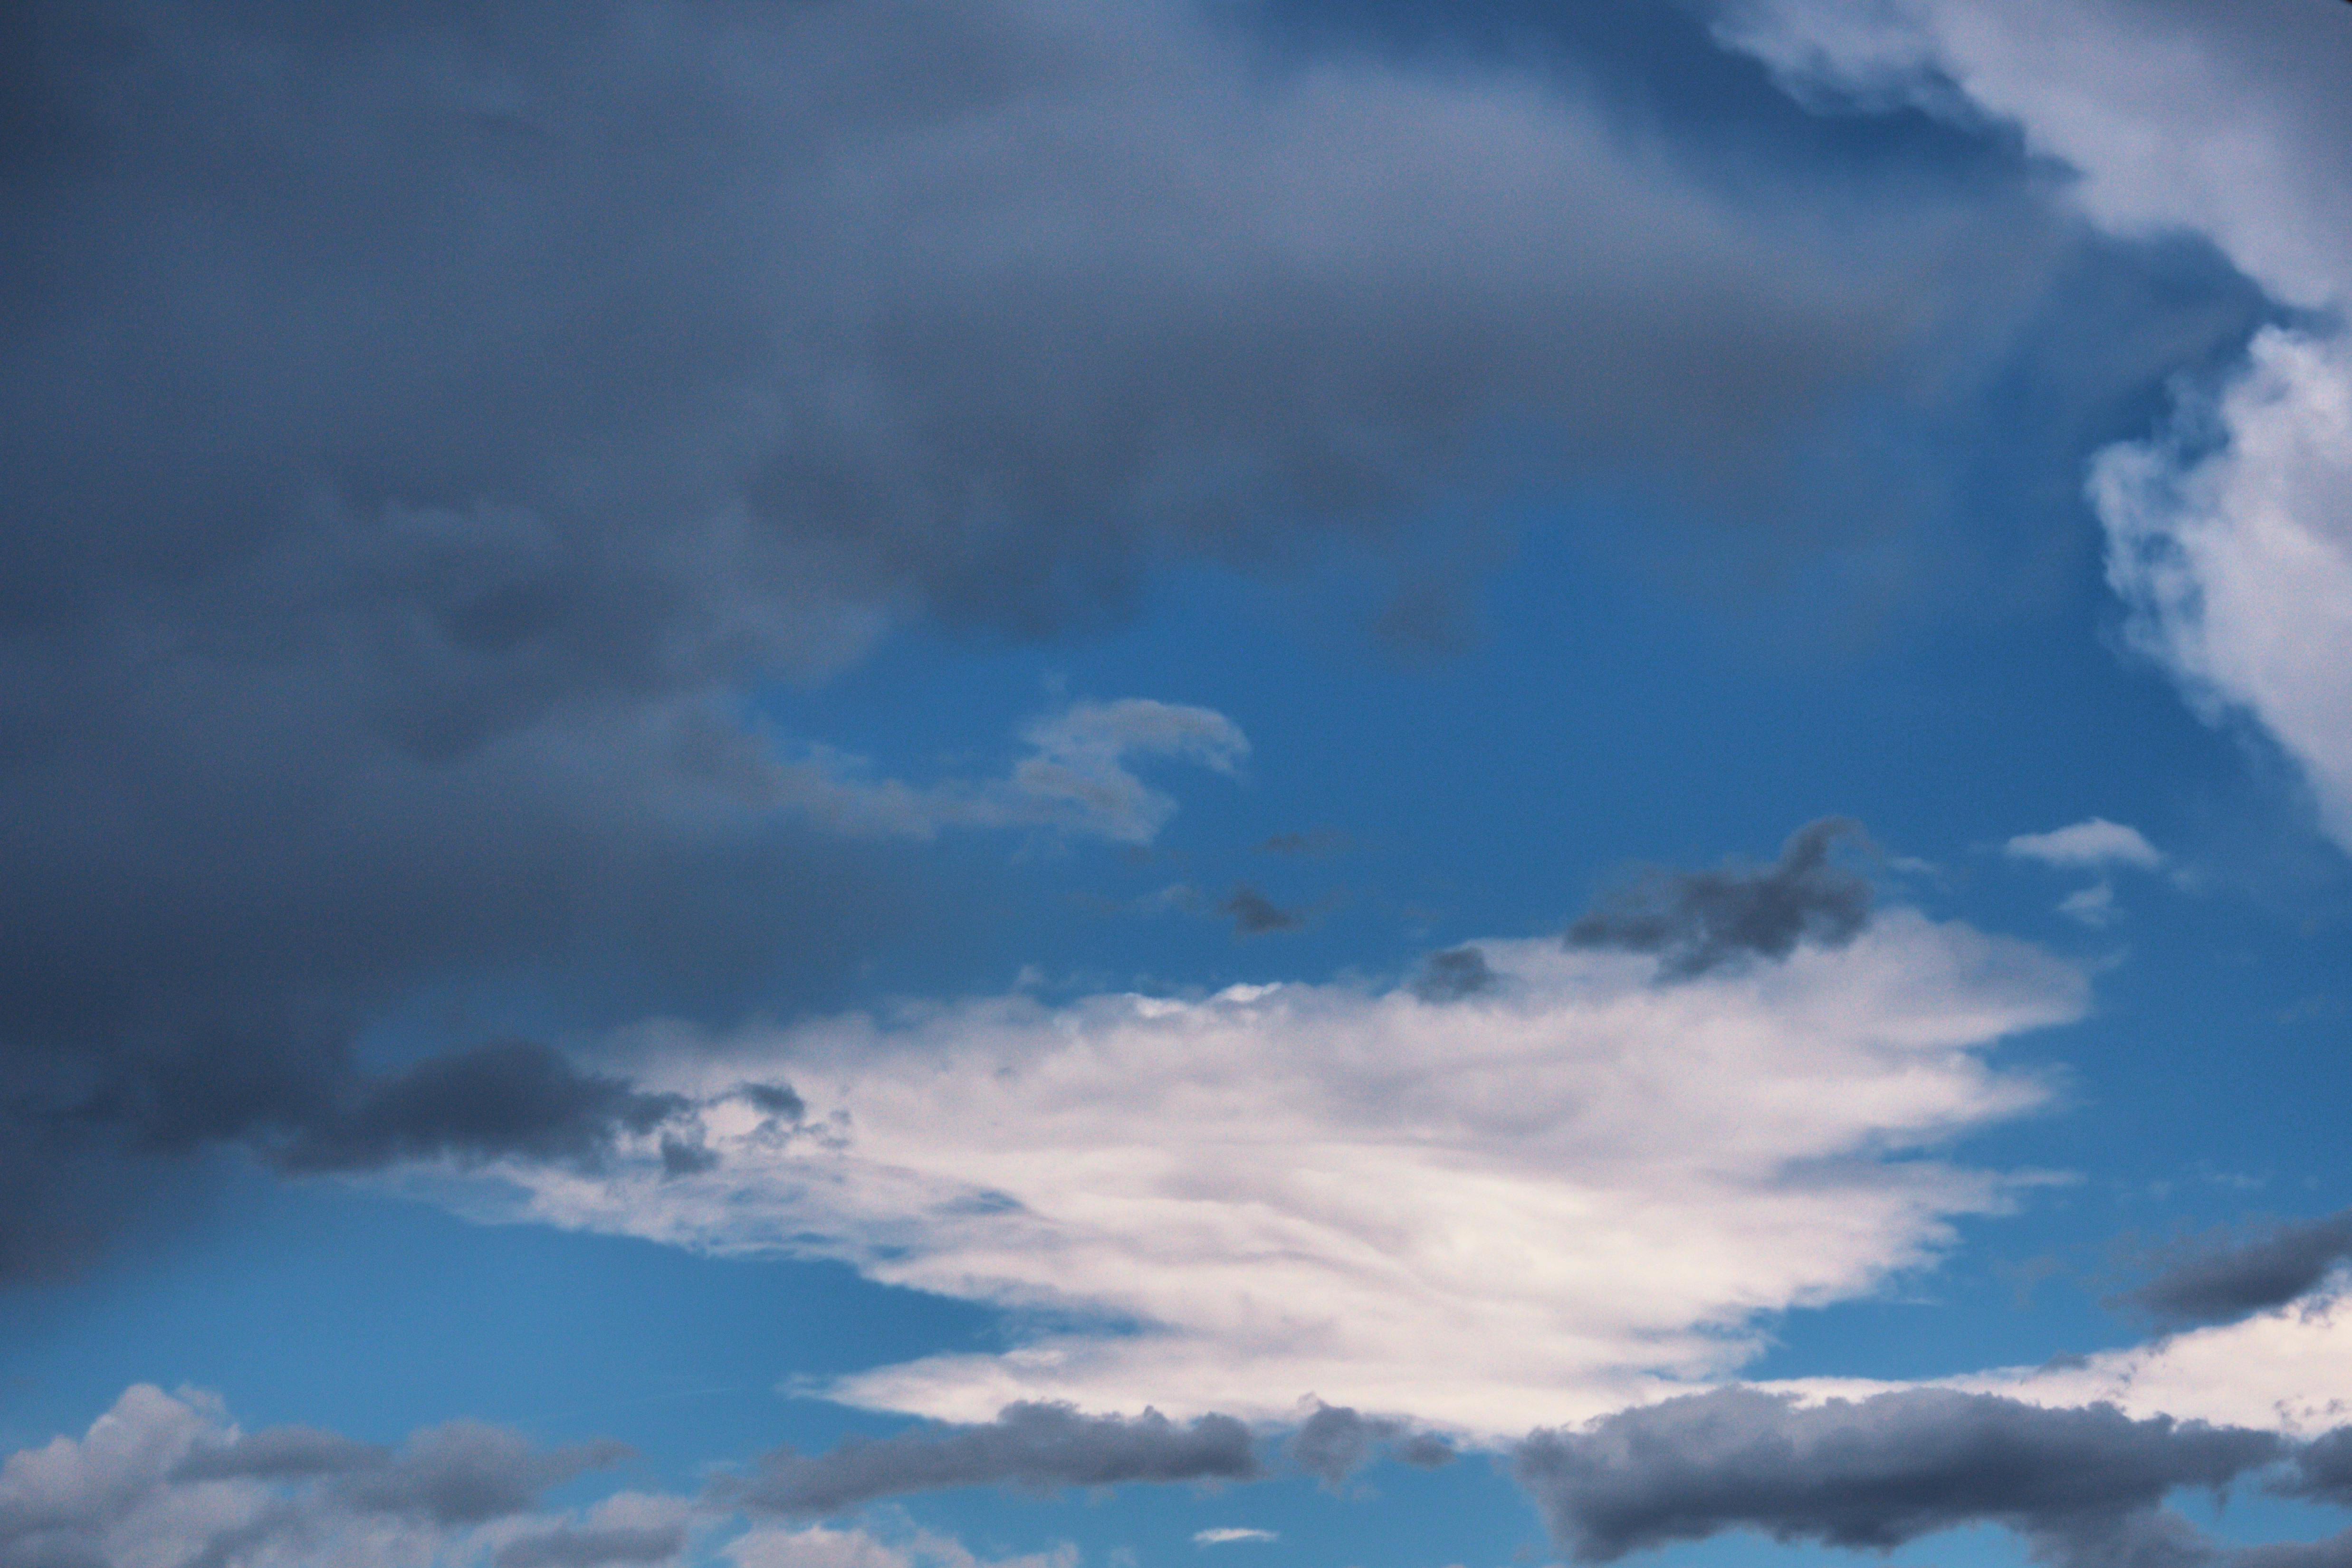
1483	1209
2230	538
162	1479
2095	845
169	1478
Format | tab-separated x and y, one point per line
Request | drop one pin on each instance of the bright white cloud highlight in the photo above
2288	1370
1573	1190
2096	845
1231	1534
2229	540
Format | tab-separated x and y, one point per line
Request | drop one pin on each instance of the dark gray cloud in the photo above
2323	1470
1699	920
466	1473
574	1547
279	1453
420	425
2082	1484
513	1098
1452	974
2220	1280
1336	1442
1255	914
1032	1446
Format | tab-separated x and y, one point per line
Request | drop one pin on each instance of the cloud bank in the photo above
2081	1485
1534	1201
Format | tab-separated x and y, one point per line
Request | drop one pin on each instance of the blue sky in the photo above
989	782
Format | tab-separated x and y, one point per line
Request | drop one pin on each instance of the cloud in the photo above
817	1546
1697	921
161	1479
2229	541
1452	974
2227	538
1075	778
2096	845
427	443
1229	1535
2222	1280
568	1546
1255	914
169	1478
417	456
1587	1188
1034	1446
1335	1442
1871	1474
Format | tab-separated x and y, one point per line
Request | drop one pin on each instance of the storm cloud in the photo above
424	431
1873	1473
1034	1446
1699	921
2219	1281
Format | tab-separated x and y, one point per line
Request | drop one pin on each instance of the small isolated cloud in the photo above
1699	920
1255	914
2096	845
1228	1534
2094	905
1077	777
2223	1279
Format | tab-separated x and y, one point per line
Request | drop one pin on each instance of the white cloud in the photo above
815	1546
2096	845
2288	1370
1230	1534
1075	779
2094	905
2237	560
2229	540
1524	1208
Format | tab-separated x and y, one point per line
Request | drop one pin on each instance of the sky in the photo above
1005	784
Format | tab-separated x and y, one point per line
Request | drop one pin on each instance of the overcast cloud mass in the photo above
850	784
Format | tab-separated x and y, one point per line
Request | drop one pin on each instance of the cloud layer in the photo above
1516	1205
2082	1485
424	435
